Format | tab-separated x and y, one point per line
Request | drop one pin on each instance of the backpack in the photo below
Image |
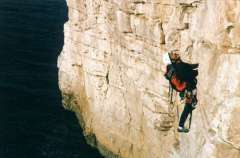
175	82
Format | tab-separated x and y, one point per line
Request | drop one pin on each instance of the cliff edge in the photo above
111	75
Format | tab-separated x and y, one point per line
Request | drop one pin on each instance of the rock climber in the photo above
182	78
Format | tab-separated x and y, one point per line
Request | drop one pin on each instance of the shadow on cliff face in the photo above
33	123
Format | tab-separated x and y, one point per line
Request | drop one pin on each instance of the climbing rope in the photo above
178	113
190	120
170	93
171	105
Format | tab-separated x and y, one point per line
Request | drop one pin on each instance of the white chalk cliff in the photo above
111	75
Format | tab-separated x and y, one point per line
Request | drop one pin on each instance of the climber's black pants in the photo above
187	110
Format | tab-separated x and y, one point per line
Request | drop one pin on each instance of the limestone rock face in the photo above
111	75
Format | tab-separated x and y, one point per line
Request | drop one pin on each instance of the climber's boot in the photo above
183	129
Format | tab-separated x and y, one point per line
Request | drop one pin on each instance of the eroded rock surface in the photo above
111	75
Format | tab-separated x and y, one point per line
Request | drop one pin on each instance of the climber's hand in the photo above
194	105
194	102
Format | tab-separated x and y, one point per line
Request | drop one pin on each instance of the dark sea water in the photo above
33	123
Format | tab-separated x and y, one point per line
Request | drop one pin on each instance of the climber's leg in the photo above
184	115
187	110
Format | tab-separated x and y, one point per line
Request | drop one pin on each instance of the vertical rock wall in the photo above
111	75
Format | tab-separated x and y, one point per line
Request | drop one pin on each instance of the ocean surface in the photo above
33	123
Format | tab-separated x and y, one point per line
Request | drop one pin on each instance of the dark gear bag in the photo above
175	82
